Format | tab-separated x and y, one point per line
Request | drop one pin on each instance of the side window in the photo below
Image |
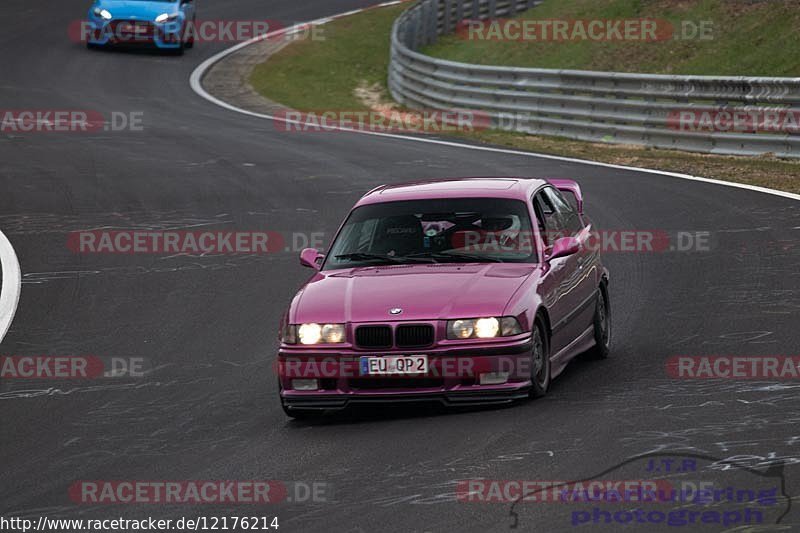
550	223
569	217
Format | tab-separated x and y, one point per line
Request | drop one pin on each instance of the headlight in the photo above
103	13
313	333
166	17
483	328
487	327
333	333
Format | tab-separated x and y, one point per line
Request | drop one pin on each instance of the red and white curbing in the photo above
196	79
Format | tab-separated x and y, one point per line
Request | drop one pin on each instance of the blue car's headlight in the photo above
104	14
166	17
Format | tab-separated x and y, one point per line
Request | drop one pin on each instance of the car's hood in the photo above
122	9
423	292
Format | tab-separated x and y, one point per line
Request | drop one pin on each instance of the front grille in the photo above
414	335
374	336
132	30
395	383
327	384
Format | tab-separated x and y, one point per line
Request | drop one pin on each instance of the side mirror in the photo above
310	257
565	246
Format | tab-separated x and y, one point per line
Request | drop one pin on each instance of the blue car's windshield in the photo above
460	230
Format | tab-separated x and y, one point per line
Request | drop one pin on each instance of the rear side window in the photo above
551	225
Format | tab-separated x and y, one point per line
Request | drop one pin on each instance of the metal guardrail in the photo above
594	106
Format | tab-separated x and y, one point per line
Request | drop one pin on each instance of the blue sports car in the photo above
167	24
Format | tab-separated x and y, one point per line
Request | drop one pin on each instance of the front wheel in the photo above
540	363
189	31
602	326
177	51
190	40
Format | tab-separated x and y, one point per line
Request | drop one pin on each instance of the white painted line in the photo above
345	14
195	80
12	284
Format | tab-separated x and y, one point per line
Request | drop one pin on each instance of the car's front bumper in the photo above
112	32
453	377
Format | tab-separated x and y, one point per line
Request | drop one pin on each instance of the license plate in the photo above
128	27
394	364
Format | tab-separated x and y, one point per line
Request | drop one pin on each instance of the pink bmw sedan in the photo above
461	291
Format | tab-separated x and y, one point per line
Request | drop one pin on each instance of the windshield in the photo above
464	230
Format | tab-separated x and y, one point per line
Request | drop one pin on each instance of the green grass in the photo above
323	75
749	38
316	75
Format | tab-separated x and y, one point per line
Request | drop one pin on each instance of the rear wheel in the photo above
540	362
602	326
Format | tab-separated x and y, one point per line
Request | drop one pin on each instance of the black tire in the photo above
540	362
301	414
190	32
602	326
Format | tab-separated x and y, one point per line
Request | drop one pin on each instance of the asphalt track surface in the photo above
208	409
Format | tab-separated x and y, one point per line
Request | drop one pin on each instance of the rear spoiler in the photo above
571	187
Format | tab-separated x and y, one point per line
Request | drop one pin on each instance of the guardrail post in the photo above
424	19
476	9
432	21
409	33
416	38
459	11
446	17
492	9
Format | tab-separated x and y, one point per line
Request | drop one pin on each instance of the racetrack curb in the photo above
11	284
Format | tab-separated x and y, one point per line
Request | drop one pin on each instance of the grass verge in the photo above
708	37
331	74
